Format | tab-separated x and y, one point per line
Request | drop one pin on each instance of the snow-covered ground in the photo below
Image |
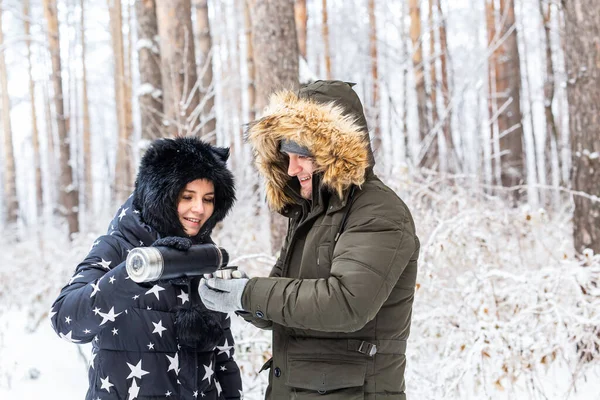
502	303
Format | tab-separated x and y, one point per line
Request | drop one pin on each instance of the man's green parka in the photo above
340	306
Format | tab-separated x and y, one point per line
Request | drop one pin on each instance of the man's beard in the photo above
306	193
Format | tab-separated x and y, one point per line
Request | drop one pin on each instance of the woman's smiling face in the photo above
195	205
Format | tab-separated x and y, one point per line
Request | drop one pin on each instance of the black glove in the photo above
177	243
174	242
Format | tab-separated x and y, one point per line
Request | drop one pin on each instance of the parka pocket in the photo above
337	379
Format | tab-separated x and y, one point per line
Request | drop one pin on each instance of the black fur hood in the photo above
166	167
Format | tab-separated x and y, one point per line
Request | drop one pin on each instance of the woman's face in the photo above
195	205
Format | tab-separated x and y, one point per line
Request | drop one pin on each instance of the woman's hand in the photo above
174	242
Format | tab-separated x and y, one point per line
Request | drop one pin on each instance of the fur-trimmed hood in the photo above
327	118
166	167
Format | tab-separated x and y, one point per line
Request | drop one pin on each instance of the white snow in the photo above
502	302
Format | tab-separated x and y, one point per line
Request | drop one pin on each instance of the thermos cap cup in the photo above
144	264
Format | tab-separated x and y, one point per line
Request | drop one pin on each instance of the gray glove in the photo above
224	295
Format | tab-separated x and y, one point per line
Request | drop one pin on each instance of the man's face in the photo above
302	167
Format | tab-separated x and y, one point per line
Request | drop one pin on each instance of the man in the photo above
339	299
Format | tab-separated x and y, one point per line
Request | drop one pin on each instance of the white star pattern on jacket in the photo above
96	287
75	277
104	264
155	289
136	371
106	384
68	337
110	316
174	363
134	390
158	328
123	213
92	358
184	297
225	348
208	372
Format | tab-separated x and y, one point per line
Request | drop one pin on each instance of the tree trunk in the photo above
178	67
54	179
583	69
508	97
69	197
444	89
404	54
87	131
35	134
207	89
325	32
433	156
250	63
301	25
552	142
123	170
418	68
276	55
151	88
11	201
492	103
251	93
375	106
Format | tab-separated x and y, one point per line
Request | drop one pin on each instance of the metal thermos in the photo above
146	264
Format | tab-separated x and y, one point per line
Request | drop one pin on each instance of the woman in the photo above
155	340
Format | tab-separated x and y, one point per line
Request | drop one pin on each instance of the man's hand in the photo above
227	273
224	295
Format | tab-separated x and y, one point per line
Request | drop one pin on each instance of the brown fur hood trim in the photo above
338	143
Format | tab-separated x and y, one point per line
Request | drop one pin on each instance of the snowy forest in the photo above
484	117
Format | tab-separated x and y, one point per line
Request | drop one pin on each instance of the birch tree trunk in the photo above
207	88
404	54
35	134
552	143
11	201
69	197
583	91
301	25
123	170
87	131
178	67
276	55
151	90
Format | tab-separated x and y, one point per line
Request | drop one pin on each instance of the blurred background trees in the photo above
500	95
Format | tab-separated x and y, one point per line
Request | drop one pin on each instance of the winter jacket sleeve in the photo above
226	369
368	260
262	323
97	293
